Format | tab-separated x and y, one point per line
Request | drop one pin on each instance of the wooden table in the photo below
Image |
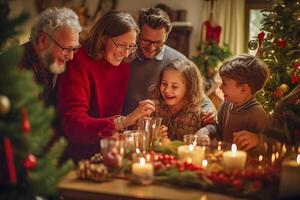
72	188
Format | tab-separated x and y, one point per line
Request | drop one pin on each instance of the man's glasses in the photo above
122	47
149	42
63	49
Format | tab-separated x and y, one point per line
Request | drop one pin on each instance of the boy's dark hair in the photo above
156	18
246	69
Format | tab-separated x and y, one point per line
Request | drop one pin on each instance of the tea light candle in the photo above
290	178
142	172
191	153
234	160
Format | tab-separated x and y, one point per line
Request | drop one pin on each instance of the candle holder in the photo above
191	154
148	128
142	172
290	177
234	159
112	152
131	141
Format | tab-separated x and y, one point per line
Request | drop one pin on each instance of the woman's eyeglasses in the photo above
63	49
122	47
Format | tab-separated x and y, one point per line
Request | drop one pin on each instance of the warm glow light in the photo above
273	158
277	155
298	159
233	149
260	158
219	146
148	157
142	161
204	163
191	147
283	149
137	150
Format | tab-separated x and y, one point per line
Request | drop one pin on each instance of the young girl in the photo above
181	101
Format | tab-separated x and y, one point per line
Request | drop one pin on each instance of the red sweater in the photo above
90	95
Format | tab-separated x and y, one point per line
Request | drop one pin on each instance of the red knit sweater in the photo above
90	95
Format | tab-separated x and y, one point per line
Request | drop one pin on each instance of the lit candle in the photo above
234	159
290	178
204	163
142	172
191	153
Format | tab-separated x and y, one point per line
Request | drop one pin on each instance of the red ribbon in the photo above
9	153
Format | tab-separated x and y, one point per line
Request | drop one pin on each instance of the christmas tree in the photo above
29	168
207	58
279	44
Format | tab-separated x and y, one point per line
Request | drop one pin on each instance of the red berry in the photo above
166	157
237	184
257	184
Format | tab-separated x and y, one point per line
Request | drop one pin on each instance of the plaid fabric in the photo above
187	121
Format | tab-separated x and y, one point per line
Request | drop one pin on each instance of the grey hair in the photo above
53	18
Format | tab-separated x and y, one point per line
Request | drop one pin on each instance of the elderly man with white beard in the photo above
54	39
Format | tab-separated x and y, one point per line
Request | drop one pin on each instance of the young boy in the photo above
241	117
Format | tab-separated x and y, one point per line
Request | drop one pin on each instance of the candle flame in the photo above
272	158
191	147
137	150
260	158
204	163
142	161
234	148
148	157
298	159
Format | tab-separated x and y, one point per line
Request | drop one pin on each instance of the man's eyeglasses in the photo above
63	49
122	47
149	42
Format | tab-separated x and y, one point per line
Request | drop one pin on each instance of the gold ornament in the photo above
284	87
95	172
296	16
4	105
252	44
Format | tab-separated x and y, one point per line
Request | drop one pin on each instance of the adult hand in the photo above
246	140
145	108
208	118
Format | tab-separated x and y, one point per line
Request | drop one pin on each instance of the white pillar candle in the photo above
191	153
142	172
290	178
234	160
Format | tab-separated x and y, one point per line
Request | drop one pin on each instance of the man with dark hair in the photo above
151	56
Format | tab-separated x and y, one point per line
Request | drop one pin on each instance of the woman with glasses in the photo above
92	91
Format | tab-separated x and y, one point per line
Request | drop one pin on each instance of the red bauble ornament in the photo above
261	37
30	162
281	43
297	66
295	79
26	127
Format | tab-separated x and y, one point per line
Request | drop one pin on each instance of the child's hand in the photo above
208	118
245	140
163	131
203	136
